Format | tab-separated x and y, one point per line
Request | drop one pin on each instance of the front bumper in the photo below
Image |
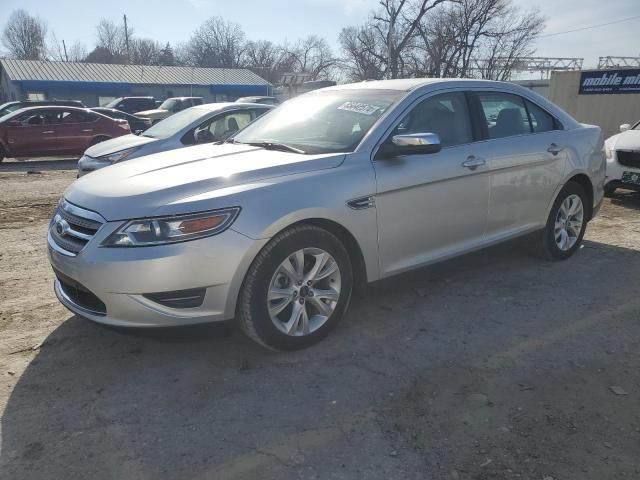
614	173
120	277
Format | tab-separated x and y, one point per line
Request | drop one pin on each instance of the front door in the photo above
432	206
35	135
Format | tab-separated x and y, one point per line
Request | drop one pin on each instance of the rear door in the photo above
75	131
526	159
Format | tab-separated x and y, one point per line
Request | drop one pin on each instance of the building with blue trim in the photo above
96	84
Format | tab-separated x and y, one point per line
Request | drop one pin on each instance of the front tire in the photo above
297	289
566	224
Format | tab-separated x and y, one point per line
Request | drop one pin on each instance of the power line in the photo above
590	27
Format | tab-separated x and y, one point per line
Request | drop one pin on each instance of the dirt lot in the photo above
493	366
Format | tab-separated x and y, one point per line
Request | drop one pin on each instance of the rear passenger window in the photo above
446	115
541	121
505	114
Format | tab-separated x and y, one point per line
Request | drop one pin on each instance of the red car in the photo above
55	131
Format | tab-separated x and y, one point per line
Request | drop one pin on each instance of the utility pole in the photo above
126	36
64	46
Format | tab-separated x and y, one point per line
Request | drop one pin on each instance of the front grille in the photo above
628	159
80	295
72	227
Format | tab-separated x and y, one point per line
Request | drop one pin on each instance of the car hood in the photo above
152	113
188	179
117	144
629	140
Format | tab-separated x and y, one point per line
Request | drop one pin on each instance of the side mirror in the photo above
13	123
411	144
624	127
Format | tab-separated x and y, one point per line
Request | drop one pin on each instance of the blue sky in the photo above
279	20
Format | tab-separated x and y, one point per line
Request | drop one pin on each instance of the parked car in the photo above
132	104
208	123
54	131
263	100
169	107
10	107
333	189
136	124
623	159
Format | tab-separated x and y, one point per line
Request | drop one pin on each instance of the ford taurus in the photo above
334	189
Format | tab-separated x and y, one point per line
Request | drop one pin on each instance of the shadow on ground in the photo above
489	366
13	165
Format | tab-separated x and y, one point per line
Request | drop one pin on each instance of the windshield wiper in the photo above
269	145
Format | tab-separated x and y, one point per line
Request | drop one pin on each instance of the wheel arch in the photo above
585	182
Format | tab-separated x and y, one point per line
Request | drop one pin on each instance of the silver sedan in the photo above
213	122
336	188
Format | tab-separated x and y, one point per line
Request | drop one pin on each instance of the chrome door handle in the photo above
554	149
49	131
473	162
88	130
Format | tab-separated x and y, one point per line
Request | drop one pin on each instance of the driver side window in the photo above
446	115
222	127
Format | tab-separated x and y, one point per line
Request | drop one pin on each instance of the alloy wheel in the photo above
569	221
304	291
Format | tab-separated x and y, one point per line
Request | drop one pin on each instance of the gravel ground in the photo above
493	366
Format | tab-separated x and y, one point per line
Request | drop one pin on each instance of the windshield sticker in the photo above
357	107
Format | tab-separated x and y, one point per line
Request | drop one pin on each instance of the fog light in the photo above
191	298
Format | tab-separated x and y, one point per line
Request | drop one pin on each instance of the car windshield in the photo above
169	104
321	122
173	124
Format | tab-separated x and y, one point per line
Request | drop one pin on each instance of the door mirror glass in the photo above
624	127
13	123
416	143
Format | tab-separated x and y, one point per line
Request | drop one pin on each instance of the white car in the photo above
210	123
169	107
623	159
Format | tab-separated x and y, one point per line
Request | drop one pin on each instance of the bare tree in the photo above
268	60
312	55
111	37
477	38
217	43
24	36
60	51
363	56
144	51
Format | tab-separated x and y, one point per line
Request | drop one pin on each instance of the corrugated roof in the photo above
18	70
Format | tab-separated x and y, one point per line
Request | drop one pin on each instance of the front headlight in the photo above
179	228
608	151
118	156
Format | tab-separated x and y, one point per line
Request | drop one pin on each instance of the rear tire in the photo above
2	154
566	224
275	289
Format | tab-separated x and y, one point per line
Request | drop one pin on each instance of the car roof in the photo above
181	98
408	84
220	106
